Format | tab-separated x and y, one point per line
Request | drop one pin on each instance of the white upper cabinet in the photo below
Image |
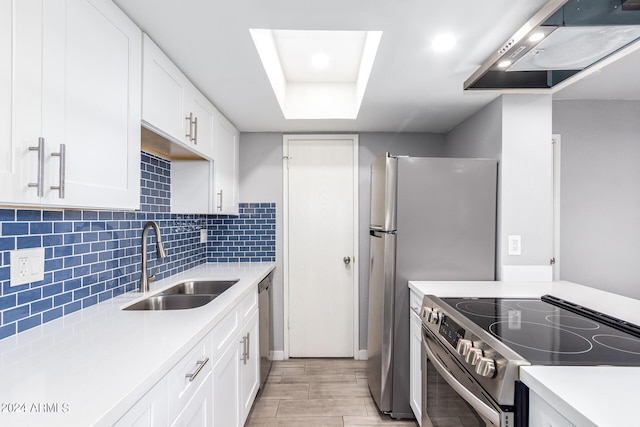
202	125
172	106
8	175
163	87
76	83
226	178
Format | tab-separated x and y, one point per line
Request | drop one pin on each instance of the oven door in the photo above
450	396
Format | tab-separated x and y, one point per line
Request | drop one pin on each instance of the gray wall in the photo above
481	136
261	180
478	136
600	193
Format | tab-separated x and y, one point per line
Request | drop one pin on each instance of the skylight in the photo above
317	74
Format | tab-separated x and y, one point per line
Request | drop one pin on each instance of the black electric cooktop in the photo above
550	331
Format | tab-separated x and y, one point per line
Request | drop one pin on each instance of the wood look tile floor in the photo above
318	393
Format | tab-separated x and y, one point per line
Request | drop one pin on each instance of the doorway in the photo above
320	244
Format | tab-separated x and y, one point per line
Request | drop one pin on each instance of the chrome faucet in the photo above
145	279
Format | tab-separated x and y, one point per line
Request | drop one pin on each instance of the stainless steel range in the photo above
472	349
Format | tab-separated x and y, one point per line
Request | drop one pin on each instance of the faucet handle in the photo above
153	276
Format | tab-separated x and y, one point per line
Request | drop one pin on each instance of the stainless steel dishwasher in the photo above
264	309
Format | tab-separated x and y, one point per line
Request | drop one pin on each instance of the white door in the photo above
321	228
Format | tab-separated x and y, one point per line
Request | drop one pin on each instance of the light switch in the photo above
515	245
26	266
203	236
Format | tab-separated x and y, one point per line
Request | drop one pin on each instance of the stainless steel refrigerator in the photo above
431	219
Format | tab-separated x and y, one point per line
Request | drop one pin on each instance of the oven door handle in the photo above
482	408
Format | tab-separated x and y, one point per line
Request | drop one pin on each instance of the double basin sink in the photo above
184	295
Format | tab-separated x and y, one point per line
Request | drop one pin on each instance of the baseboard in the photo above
361	355
277	355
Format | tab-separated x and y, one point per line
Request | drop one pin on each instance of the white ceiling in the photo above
411	88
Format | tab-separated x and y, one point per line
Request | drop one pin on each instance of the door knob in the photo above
346	260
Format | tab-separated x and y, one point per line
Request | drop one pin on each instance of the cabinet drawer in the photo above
247	306
415	300
185	378
226	330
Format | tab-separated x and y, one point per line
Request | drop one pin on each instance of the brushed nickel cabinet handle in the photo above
39	185
195	132
244	350
248	347
200	364
61	174
220	198
189	134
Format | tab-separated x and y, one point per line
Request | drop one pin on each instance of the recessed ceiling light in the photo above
443	43
504	64
320	60
536	37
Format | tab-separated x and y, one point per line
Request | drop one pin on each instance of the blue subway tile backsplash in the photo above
92	256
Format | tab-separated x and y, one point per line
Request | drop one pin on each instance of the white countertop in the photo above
586	396
99	361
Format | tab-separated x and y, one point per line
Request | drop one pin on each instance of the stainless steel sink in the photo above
196	287
184	295
171	302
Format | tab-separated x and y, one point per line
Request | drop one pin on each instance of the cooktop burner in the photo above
546	334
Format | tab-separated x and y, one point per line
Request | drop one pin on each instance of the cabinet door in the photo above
76	81
198	412
8	174
226	167
150	411
163	94
21	49
542	414
91	103
250	366
203	129
226	382
415	368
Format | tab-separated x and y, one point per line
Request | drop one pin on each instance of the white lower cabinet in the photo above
236	376
214	384
226	386
185	382
542	414
198	411
150	411
415	368
250	366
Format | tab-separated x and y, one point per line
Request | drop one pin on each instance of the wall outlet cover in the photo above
515	245
26	266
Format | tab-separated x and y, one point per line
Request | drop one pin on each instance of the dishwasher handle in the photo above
265	283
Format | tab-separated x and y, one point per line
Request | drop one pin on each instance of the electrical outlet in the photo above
23	265
26	266
203	236
515	245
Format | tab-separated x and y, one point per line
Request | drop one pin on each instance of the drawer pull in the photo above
200	364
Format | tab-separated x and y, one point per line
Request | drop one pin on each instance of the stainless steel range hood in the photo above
563	39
